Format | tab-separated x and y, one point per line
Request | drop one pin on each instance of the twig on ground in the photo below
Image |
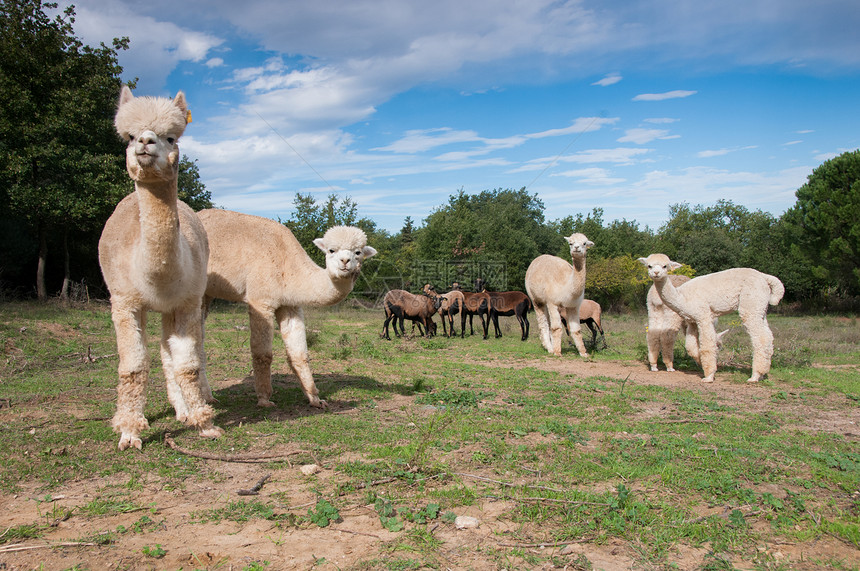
356	532
247	458
21	547
508	484
256	489
548	544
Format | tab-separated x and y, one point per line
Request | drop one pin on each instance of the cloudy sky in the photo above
626	105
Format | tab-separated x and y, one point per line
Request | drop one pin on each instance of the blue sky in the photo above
629	106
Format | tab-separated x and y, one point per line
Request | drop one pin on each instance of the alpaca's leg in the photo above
543	326
574	327
707	349
174	392
130	326
654	338
761	338
180	342
691	342
261	353
667	348
204	380
291	321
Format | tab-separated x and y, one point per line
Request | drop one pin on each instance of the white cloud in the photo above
641	136
610	79
720	152
594	175
215	62
677	94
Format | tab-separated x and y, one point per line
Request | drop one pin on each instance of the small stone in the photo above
465	522
309	469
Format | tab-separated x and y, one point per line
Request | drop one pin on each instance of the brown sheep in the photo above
400	305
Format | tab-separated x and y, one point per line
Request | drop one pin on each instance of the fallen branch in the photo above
257	487
569	502
21	547
356	533
246	458
508	484
552	544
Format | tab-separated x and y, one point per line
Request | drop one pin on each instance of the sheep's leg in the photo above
129	421
761	338
495	317
291	321
485	323
445	325
575	331
524	324
180	349
384	333
463	323
707	349
261	353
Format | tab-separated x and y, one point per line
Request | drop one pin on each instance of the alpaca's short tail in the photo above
777	290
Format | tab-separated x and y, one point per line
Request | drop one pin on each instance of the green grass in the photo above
450	423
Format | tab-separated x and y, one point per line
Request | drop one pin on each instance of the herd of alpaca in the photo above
157	254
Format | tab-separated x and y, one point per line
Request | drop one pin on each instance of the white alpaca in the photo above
552	283
153	253
259	262
663	326
701	300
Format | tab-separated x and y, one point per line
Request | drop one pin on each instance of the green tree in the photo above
61	162
825	222
499	228
192	191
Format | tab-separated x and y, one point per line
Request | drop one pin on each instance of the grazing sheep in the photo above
476	303
506	304
153	252
453	303
590	315
399	305
704	298
258	261
552	283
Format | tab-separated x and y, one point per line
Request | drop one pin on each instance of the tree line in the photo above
62	171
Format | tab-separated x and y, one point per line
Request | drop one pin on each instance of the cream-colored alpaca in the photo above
552	283
259	262
702	299
663	326
153	254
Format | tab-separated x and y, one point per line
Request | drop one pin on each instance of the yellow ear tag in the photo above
188	117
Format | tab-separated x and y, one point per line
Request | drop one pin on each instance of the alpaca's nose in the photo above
147	138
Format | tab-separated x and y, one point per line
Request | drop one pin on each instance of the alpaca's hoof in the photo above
183	418
317	402
265	403
129	440
669	370
753	380
655	369
211	432
708	379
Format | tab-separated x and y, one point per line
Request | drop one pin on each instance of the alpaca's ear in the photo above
180	102
369	252
125	95
643	261
588	244
674	265
319	243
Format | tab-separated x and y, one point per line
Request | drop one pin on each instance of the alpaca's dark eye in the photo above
131	138
358	252
170	140
331	250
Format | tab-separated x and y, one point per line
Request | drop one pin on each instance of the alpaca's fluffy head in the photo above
151	126
659	266
579	245
345	249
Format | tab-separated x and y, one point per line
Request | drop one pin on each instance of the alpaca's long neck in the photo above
162	252
320	289
576	280
673	299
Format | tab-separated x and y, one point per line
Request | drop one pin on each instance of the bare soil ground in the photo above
359	537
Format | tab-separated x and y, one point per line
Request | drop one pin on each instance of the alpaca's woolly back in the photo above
551	280
254	258
724	292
